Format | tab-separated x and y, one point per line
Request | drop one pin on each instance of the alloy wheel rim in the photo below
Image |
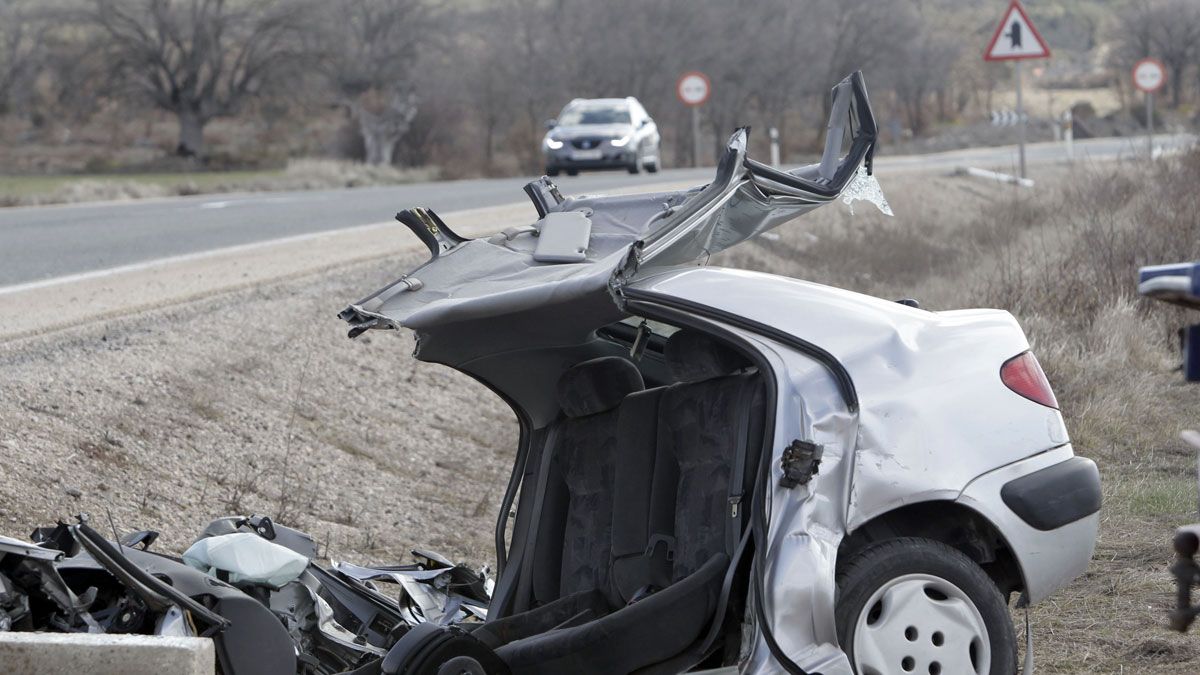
922	624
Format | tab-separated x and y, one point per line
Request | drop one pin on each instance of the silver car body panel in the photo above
894	352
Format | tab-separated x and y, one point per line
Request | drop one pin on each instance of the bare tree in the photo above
368	49
22	52
1166	29
1176	35
921	68
199	59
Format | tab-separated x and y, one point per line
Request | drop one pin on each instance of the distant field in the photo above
18	189
299	175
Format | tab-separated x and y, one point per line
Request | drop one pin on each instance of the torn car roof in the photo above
631	237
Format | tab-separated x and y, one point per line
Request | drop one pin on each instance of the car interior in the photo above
637	512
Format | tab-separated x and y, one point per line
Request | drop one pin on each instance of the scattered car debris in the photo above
250	584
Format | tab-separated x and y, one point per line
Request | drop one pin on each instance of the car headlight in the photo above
553	144
621	142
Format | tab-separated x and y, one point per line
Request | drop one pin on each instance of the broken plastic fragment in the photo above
866	187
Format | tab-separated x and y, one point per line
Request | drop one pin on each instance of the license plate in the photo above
586	154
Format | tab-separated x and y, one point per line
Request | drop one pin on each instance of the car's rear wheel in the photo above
572	172
913	605
552	171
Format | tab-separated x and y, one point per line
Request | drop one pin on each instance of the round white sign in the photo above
1149	75
693	88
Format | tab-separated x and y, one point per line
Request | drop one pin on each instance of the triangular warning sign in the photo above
1016	38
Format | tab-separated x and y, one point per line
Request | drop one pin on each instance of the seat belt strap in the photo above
737	476
714	629
538	506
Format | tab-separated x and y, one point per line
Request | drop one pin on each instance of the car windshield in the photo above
578	115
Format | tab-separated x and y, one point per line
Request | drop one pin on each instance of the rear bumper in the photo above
1047	507
1055	496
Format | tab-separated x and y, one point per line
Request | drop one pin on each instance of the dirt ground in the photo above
255	401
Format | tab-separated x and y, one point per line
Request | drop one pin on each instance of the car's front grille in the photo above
587	143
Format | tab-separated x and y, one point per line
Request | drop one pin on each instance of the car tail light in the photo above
1023	374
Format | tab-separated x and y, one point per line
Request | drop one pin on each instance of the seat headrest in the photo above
693	357
597	385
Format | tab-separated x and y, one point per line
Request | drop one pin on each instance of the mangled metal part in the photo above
800	462
158	595
321	621
431	591
631	237
430	229
28	570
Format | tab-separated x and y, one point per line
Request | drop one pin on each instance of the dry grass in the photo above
1063	259
302	174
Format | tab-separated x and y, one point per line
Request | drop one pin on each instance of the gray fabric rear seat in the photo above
576	524
673	452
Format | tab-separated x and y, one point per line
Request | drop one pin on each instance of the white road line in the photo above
200	255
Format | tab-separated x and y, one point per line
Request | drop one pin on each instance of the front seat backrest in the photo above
574	538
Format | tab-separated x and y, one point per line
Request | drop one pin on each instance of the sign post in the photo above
693	89
1016	39
1149	75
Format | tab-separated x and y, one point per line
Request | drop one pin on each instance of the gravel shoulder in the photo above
173	393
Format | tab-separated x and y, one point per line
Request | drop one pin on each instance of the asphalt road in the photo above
43	243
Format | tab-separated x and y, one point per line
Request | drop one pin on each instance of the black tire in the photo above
635	167
552	171
879	563
572	172
652	167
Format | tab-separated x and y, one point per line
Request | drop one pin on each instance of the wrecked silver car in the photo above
717	469
724	469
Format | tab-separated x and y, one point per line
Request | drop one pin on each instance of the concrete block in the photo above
70	653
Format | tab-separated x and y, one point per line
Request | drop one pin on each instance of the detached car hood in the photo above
631	237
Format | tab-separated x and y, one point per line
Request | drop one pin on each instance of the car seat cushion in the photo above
654	629
570	610
597	385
